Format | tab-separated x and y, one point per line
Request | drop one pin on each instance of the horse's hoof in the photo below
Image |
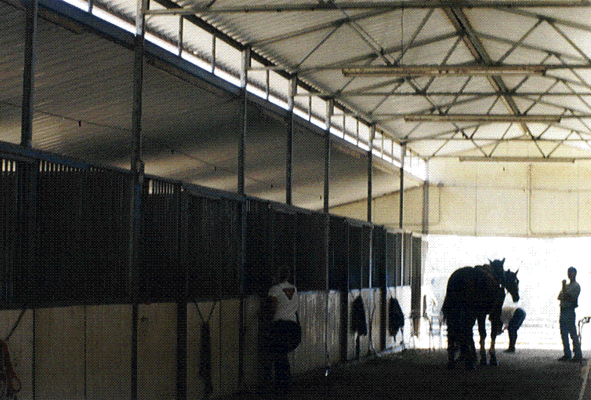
470	367
483	361
493	362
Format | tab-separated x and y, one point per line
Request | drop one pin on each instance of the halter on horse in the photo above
472	294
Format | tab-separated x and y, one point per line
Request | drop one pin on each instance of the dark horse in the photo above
472	294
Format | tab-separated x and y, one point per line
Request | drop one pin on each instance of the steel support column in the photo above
372	136
31	8
426	207
242	321
289	150
327	146
182	343
402	157
244	120
246	61
137	171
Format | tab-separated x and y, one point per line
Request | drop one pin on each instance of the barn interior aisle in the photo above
422	374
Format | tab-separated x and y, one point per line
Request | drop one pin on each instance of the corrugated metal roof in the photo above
83	84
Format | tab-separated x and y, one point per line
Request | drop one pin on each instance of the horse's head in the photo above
512	284
497	267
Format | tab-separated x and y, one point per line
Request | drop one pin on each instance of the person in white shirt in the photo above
284	333
569	300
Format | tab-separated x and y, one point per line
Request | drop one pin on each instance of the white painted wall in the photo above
492	199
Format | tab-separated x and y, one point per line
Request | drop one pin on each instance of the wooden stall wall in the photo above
211	256
20	345
108	351
311	353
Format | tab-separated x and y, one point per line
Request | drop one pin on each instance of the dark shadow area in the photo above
422	374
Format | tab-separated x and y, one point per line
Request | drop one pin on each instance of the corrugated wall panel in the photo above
333	339
311	353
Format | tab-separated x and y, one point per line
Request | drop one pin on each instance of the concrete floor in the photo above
422	374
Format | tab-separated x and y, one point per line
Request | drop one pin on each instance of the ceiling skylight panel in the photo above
228	58
81	4
198	41
258	77
303	102
104	15
166	45
279	87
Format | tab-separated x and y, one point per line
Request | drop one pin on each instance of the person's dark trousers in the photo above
514	325
277	375
282	374
568	327
281	338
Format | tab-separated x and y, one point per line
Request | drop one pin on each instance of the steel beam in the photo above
371	5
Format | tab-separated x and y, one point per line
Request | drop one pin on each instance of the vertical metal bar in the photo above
181	349
326	245
290	133
327	145
267	84
402	156
426	207
244	119
181	321
181	27
34	355
213	53
137	171
85	322
372	135
29	73
242	333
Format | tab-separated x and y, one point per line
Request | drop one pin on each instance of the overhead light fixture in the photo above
444	70
520	159
482	118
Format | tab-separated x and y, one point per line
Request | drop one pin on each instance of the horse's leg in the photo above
495	329
467	348
452	343
482	334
